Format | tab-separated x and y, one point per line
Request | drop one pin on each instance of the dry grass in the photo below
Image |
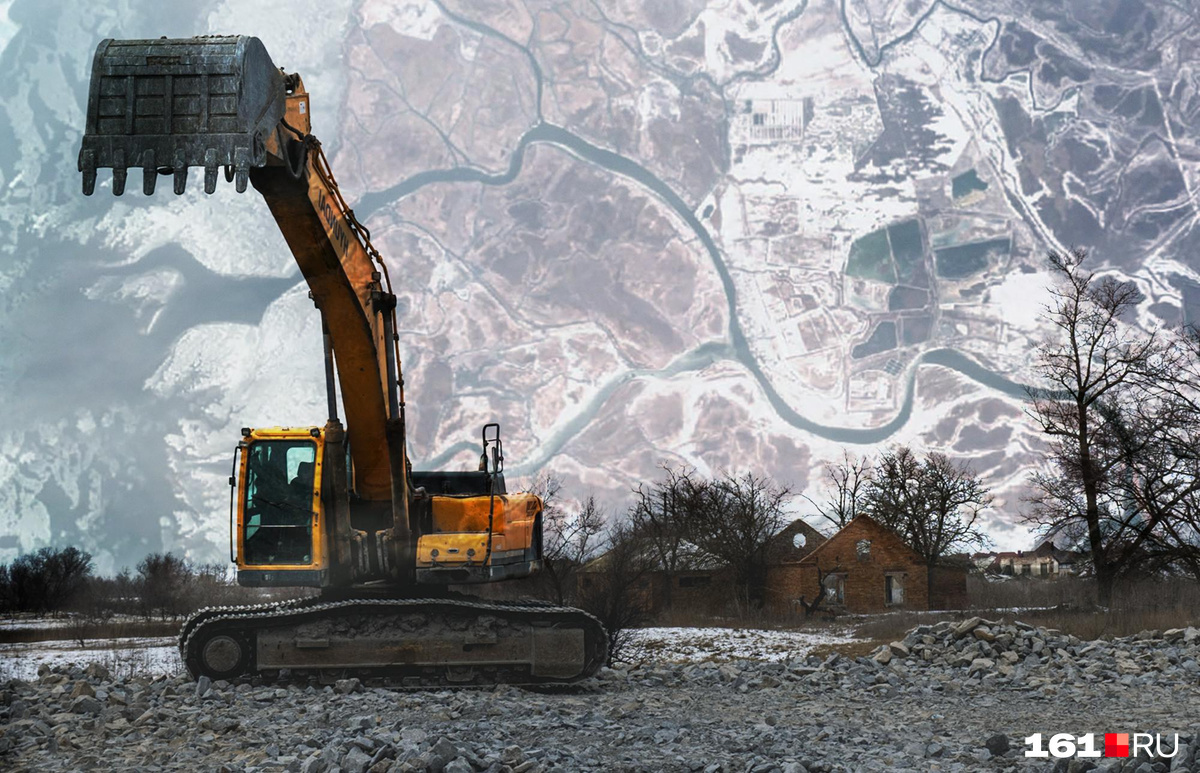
742	618
1067	605
854	649
108	630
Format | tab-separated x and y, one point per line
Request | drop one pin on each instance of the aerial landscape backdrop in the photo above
736	234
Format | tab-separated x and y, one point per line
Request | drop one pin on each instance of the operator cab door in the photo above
279	509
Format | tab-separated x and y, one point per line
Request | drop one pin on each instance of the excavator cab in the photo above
277	536
468	529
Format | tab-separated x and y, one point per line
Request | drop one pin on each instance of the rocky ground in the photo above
950	697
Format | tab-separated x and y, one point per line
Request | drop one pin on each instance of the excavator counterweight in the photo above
334	507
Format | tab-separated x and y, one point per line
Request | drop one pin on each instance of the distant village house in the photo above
1045	561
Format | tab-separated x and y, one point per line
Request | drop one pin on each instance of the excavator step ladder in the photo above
168	104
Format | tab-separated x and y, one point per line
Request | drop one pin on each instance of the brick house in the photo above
785	553
867	567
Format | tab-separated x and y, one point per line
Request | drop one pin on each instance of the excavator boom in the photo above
220	103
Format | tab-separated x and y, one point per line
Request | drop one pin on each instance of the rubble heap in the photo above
1031	656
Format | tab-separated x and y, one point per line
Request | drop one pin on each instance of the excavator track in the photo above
408	643
207	613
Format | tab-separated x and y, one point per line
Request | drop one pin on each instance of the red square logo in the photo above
1116	744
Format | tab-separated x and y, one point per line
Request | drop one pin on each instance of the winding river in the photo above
736	348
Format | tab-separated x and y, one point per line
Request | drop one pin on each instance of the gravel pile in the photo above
921	704
1021	654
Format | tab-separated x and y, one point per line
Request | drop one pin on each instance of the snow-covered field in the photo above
151	656
694	645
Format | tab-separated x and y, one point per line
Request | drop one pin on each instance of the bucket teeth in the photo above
181	172
120	172
228	173
87	165
210	170
149	173
241	168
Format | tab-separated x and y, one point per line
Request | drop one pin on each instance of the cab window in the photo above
278	508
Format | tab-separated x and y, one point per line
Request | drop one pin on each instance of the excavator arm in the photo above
166	105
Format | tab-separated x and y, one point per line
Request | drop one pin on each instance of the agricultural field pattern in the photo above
742	234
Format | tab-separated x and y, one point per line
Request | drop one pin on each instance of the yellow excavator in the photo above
334	507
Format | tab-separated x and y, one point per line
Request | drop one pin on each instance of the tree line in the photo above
679	522
164	586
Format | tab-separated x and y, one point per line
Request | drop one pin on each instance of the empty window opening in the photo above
835	588
863	549
894	589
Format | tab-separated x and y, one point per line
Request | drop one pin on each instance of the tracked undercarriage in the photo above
396	642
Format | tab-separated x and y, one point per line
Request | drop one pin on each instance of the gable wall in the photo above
865	581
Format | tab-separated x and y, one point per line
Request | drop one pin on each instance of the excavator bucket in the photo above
165	105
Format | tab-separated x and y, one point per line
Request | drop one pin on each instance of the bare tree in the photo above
933	503
811	608
737	519
848	481
45	580
1095	359
1152	499
661	517
163	583
612	588
571	540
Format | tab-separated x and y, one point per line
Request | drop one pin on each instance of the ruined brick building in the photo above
706	586
867	567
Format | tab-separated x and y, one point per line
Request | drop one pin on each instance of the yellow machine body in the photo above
282	534
470	531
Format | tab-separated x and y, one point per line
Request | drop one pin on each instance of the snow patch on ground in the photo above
156	656
142	656
696	645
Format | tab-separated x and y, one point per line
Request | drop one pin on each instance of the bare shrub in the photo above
571	539
609	590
